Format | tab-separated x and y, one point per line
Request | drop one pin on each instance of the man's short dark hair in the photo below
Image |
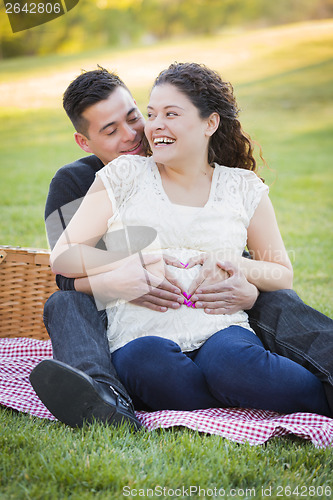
87	89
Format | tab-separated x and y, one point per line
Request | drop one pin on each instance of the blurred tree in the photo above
102	23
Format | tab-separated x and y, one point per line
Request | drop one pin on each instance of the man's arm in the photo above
67	189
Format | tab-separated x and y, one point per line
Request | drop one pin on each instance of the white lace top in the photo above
136	192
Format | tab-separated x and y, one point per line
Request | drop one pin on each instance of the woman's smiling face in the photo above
174	129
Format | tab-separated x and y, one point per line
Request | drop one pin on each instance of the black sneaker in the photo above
74	398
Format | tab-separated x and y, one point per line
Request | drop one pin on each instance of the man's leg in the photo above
78	334
80	384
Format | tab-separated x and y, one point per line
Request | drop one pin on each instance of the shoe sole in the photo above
72	399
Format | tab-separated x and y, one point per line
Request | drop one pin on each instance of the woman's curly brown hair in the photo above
230	145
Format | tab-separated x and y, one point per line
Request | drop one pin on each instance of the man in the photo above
80	384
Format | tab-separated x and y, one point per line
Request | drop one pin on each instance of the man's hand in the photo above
228	295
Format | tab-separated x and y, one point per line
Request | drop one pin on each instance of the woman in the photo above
200	193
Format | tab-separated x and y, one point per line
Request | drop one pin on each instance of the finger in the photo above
222	296
157	301
193	261
189	265
152	282
172	261
149	305
228	266
171	278
218	287
197	282
168	286
221	310
149	258
210	305
164	303
197	259
158	294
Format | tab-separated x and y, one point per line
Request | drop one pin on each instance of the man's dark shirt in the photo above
67	189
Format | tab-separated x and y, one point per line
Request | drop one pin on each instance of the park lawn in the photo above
44	460
284	88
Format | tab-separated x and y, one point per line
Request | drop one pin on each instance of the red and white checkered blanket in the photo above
19	356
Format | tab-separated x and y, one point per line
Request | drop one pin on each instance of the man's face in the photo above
115	127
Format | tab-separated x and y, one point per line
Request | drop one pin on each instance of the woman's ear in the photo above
82	141
213	123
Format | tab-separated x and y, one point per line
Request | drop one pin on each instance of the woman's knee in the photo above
144	356
223	353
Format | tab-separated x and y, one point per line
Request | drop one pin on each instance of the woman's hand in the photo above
209	274
168	294
227	296
130	280
144	281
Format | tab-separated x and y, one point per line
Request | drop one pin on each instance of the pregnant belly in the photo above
187	326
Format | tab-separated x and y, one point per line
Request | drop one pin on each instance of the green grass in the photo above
43	460
35	144
283	79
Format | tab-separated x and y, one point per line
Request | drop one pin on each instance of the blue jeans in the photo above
78	334
289	327
281	320
232	368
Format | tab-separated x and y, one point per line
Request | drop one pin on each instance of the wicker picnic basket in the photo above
26	282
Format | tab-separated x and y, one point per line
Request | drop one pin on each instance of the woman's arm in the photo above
270	268
74	254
